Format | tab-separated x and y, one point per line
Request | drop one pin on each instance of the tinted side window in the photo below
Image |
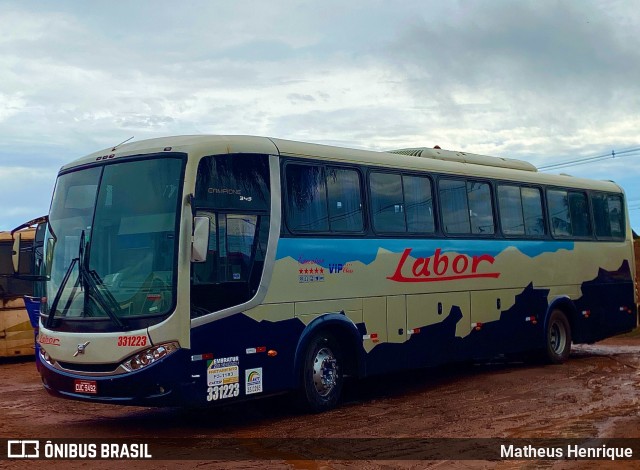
532	212
9	285
601	215
616	216
608	215
6	267
480	208
233	182
345	200
323	199
559	213
418	206
387	204
510	204
306	198
454	206
580	218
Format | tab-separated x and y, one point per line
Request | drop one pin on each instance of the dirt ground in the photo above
595	394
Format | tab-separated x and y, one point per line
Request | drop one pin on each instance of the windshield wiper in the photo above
88	281
56	299
103	298
65	279
94	283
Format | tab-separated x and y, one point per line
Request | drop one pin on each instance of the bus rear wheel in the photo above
557	338
322	376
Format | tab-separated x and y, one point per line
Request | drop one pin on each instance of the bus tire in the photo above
557	338
322	374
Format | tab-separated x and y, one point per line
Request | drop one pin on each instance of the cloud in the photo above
542	81
532	69
25	193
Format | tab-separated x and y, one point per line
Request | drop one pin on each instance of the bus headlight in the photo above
149	356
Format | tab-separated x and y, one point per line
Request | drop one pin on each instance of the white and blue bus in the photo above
211	269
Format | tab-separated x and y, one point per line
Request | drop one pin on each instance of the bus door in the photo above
232	191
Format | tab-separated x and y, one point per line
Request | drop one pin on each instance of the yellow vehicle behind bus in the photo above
16	332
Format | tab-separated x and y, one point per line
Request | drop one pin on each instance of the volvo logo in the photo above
81	348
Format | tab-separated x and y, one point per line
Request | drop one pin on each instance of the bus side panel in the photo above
240	345
464	299
607	306
517	321
436	323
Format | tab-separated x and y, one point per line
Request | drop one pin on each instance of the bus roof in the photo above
465	157
27	235
205	144
419	159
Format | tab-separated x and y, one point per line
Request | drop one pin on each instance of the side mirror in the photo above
15	254
200	243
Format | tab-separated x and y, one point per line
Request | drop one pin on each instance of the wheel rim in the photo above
325	372
557	338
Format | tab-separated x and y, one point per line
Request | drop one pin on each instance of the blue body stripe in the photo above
330	251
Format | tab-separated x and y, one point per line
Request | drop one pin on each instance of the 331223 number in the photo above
220	392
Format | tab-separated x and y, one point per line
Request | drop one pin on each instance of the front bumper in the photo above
166	382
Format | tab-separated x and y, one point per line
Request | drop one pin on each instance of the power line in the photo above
605	156
594	159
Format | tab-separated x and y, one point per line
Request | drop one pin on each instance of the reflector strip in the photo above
202	357
261	349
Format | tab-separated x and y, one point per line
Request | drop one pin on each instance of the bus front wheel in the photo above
557	338
322	375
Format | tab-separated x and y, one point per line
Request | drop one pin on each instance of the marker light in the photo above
44	356
149	356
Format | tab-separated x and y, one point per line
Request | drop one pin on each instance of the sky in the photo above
543	81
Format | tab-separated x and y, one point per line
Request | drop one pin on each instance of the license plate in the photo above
86	386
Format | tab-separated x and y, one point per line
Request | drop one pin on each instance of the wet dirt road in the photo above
595	394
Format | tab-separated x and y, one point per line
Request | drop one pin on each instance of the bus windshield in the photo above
111	244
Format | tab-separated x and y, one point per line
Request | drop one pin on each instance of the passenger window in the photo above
601	215
608	215
559	213
306	198
532	212
418	204
345	200
480	208
510	204
616	216
521	211
323	199
455	209
387	205
580	219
